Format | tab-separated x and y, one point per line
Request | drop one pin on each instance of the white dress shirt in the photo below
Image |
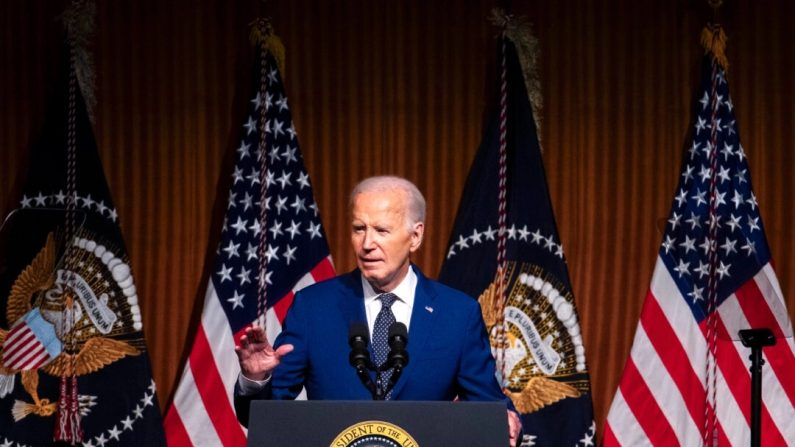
401	307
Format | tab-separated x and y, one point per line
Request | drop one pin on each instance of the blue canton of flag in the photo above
296	241
541	357
686	381
739	238
297	255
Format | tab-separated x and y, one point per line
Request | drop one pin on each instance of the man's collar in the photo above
405	290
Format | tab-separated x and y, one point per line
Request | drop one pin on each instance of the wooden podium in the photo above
377	424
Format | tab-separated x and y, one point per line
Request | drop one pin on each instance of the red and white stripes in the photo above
203	411
23	350
661	398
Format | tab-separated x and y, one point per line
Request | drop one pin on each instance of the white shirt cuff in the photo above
249	387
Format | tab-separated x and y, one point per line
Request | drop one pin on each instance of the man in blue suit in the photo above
449	347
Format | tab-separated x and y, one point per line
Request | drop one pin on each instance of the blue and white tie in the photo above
383	322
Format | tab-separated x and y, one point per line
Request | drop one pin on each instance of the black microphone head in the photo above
398	330
358	339
357	332
398	338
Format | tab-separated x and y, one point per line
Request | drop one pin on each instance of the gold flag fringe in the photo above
519	31
713	39
78	20
262	32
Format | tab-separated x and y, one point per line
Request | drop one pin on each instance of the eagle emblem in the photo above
81	308
540	350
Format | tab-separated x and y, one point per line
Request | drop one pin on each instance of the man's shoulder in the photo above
341	284
444	291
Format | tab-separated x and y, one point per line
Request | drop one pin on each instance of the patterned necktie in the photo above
383	321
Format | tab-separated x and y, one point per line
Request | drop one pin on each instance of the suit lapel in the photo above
421	327
351	301
351	305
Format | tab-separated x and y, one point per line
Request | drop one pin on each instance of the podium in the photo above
377	424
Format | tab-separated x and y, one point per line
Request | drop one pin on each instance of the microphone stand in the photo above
359	357
364	365
398	356
392	380
380	393
382	390
364	376
756	339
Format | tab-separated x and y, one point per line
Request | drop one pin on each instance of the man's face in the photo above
381	238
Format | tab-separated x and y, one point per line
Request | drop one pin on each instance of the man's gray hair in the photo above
416	202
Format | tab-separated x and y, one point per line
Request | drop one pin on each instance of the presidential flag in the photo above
505	251
71	333
687	380
295	254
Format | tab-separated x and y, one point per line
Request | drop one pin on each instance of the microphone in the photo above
358	339
398	338
398	357
359	358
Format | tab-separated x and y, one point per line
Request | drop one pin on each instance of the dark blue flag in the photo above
69	303
533	324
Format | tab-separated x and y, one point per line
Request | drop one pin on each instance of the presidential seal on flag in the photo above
64	321
541	342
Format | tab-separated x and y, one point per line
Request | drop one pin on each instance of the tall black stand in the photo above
756	339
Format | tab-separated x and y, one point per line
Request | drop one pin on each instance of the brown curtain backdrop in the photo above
403	87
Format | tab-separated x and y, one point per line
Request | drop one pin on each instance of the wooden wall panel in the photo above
404	87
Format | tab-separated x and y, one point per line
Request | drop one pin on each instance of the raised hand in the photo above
256	356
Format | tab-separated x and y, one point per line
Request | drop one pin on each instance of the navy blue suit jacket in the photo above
449	351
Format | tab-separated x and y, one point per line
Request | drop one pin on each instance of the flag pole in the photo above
79	23
518	31
713	39
263	26
267	42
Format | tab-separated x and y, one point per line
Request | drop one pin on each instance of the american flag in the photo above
714	248
202	413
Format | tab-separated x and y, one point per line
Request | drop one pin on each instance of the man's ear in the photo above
417	232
